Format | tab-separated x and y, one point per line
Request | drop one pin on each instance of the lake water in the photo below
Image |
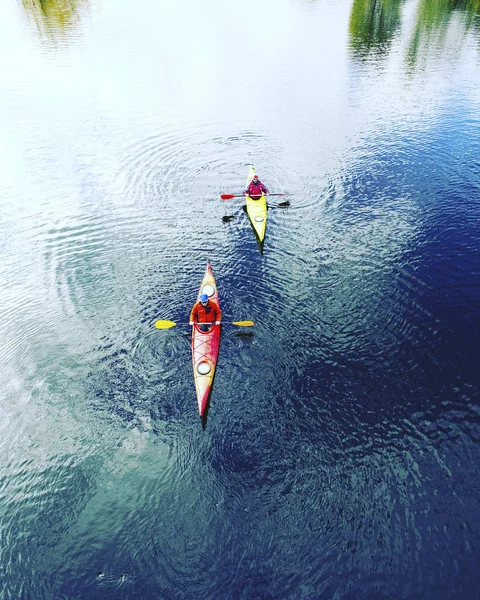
340	455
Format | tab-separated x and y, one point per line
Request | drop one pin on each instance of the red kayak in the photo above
205	345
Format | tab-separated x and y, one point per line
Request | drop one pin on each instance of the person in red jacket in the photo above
206	312
255	189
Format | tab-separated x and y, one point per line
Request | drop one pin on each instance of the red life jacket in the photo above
205	314
255	189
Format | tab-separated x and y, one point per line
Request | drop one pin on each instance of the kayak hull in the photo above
257	210
205	346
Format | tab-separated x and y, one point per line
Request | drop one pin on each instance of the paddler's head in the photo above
255	178
204	299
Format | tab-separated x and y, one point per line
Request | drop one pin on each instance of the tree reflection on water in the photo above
374	24
441	25
54	17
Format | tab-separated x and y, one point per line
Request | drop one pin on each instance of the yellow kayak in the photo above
257	210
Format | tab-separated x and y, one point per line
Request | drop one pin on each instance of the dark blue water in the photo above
339	457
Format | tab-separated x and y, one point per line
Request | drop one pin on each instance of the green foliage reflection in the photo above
373	24
53	17
433	19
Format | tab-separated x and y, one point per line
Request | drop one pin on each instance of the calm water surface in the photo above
340	454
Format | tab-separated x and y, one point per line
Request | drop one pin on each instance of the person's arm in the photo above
218	315
265	190
193	314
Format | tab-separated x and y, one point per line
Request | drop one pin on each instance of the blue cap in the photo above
203	298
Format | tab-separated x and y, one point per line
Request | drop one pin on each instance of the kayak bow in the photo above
205	346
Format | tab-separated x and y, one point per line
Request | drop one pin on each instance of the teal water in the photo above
339	457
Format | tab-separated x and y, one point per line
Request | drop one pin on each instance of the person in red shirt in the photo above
206	312
255	189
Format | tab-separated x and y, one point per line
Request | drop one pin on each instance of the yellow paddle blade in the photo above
244	323
164	324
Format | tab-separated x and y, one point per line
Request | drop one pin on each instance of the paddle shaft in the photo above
230	196
165	324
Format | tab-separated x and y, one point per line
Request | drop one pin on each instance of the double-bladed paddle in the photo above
230	196
164	324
